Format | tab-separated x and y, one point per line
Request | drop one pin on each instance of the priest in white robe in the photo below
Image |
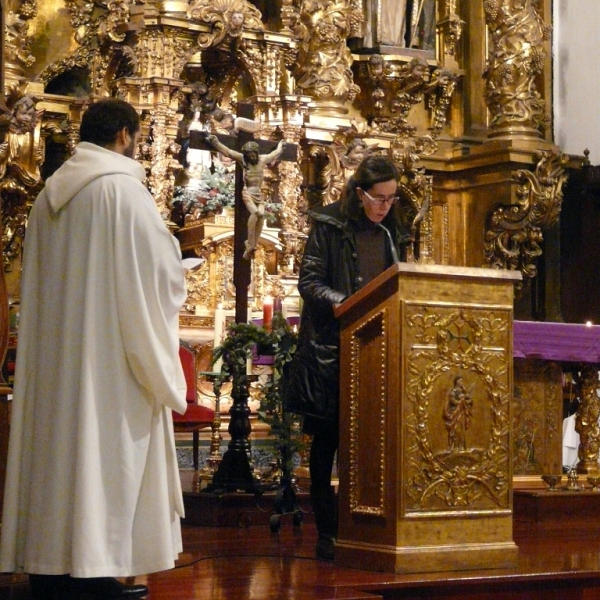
92	488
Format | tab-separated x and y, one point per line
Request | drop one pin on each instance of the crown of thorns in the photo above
250	147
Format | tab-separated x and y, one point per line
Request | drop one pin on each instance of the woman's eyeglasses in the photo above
381	200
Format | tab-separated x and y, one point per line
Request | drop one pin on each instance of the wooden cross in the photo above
241	266
235	471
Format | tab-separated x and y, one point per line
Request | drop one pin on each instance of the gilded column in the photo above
515	60
324	60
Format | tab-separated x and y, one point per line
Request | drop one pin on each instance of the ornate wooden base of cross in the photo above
235	471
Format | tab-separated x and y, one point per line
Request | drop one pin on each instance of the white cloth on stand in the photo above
570	442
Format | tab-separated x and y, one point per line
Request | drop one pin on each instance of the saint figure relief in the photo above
457	414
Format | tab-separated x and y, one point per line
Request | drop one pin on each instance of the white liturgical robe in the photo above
92	485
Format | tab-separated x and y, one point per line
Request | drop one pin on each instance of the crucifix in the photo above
235	471
248	178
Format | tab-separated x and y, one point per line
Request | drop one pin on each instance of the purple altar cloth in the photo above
568	342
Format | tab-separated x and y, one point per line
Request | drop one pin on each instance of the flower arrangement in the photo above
207	193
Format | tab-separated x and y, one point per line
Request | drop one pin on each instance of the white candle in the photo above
219	325
249	366
219	333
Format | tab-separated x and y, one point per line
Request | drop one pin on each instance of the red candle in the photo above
267	312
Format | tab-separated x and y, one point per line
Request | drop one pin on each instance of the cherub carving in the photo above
21	153
228	19
352	153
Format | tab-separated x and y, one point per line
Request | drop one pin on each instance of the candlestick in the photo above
267	312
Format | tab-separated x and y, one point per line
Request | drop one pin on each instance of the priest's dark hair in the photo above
372	170
105	118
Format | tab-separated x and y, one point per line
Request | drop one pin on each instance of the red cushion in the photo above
189	370
195	413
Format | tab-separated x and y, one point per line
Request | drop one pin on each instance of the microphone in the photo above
392	247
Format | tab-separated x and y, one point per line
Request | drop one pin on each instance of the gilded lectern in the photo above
425	463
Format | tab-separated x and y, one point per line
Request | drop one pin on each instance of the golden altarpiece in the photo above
460	99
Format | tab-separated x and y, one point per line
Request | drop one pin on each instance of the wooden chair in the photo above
196	416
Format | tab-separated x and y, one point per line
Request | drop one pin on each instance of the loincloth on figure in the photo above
252	198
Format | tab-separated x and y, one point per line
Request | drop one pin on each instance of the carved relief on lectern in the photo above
445	344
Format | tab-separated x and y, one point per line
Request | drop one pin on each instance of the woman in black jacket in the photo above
351	242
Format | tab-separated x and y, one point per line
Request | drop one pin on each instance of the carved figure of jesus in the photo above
253	164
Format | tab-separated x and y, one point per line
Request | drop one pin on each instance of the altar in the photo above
543	352
560	342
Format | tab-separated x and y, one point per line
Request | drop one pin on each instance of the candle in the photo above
267	312
249	365
219	332
219	325
277	305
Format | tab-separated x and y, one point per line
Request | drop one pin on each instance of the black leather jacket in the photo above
329	274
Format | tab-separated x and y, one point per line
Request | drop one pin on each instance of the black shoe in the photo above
105	587
48	587
325	547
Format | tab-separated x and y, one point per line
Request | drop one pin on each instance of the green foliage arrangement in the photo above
280	341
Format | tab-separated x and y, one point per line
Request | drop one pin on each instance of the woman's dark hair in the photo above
105	118
372	170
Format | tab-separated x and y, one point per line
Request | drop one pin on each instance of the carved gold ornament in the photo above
225	18
516	59
468	343
513	240
324	60
586	421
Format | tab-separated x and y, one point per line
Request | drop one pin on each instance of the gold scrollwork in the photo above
226	18
513	238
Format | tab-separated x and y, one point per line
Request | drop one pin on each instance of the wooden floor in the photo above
247	561
253	563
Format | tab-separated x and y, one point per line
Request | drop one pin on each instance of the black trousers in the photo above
322	455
